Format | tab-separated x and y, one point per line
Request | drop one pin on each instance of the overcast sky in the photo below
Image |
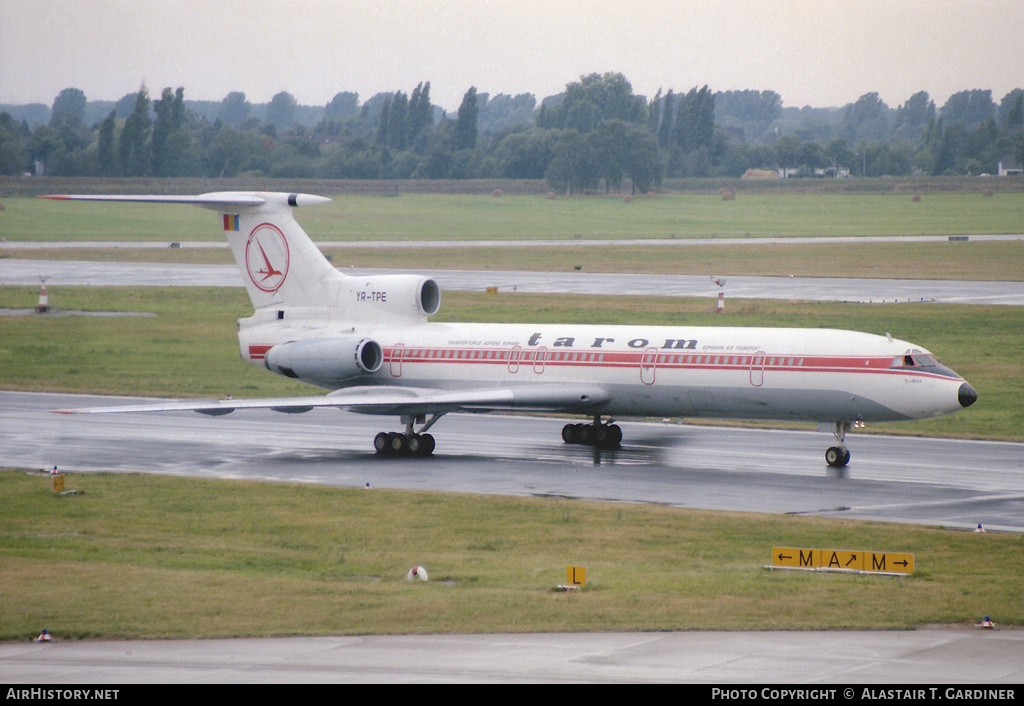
812	52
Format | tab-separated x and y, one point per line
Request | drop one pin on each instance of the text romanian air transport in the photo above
369	340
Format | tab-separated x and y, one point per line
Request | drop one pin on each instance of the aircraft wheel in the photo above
837	457
381	444
607	436
414	444
571	433
427	444
421	444
397	443
586	434
614	435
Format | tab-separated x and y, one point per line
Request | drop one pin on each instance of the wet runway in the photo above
899	479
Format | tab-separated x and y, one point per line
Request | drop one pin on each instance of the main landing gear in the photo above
394	443
603	436
409	443
839	456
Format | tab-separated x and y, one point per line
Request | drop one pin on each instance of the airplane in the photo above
368	339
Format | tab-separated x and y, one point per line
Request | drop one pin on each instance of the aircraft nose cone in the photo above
967	395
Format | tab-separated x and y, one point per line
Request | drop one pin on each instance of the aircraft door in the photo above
540	357
647	364
513	359
397	351
757	368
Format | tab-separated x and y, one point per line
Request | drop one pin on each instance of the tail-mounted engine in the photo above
379	297
327	362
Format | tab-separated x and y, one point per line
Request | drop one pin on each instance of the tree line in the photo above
596	135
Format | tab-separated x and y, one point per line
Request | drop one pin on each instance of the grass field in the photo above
363	217
134	556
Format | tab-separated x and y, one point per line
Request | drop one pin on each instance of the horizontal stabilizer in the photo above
280	265
217	201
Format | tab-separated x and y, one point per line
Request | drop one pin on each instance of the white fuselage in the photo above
718	372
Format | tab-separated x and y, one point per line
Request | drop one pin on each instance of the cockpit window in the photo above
914	359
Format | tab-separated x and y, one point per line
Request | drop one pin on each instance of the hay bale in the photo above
986	192
496	192
760	174
727	194
627	198
916	198
551	196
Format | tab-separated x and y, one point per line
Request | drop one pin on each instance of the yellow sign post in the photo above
576	575
842	560
57	483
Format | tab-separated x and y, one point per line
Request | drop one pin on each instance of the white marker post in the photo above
44	299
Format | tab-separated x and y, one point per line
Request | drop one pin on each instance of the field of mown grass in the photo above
373	217
135	556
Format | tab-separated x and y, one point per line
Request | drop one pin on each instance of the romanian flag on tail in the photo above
230	222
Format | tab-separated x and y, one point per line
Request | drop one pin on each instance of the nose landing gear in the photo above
838	456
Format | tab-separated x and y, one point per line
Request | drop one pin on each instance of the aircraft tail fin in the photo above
279	264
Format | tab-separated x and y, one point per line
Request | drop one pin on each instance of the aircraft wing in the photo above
391	400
